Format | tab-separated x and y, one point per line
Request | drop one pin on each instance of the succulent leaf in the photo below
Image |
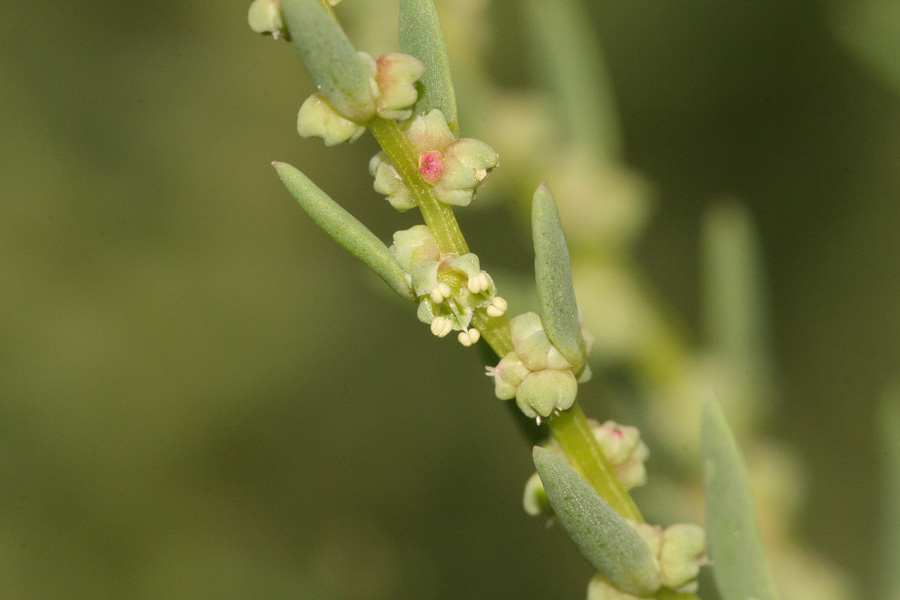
345	229
553	276
421	36
735	547
608	542
333	63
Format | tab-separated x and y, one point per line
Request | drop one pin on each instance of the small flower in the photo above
449	287
682	553
396	77
508	375
543	392
625	451
318	118
453	167
392	79
533	346
264	17
389	183
534	500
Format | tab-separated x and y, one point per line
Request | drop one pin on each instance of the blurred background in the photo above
201	396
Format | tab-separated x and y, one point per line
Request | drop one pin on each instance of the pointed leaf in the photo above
421	37
333	64
553	277
345	229
735	547
612	546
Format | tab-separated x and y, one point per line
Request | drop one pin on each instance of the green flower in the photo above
454	168
449	287
393	81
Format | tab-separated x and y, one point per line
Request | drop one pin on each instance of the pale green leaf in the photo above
345	229
612	546
735	547
569	58
421	37
553	278
332	61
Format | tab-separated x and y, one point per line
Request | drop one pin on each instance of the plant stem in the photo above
571	430
438	216
495	331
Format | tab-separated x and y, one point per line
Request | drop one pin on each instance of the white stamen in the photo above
436	296
498	307
441	326
464	339
445	290
538	419
474	335
479	283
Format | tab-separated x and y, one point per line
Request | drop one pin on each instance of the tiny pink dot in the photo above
431	166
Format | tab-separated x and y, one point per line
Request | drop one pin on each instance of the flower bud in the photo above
318	118
681	555
625	451
453	167
508	375
264	17
396	80
532	345
534	500
543	392
389	182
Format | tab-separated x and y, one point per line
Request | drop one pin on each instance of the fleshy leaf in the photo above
612	546
345	229
421	37
735	547
553	277
333	64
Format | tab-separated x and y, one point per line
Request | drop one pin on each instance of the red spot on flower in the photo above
431	166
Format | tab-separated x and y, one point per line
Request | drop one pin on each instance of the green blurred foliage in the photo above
201	396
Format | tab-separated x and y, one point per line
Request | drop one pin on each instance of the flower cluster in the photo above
392	79
449	287
535	373
453	167
680	550
625	451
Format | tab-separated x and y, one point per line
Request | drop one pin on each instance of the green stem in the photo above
495	331
438	216
571	430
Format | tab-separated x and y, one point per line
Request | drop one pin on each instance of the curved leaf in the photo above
553	277
603	537
345	229
736	550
